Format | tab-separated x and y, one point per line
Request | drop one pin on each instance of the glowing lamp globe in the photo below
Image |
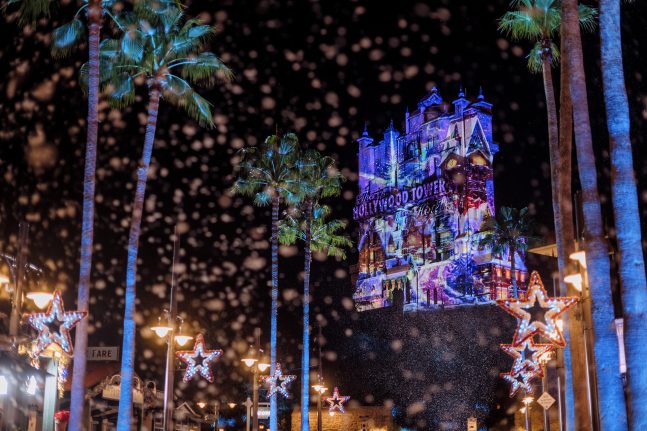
202	404
528	400
231	405
249	361
580	257
575	280
183	339
263	366
161	330
41	299
4	279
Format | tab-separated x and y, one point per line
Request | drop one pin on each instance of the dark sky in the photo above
319	68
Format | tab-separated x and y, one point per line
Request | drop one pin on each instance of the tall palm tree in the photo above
631	261
168	51
605	343
321	179
268	173
64	39
540	22
578	415
510	233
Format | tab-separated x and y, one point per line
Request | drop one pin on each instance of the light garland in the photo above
527	355
278	382
198	360
337	401
537	302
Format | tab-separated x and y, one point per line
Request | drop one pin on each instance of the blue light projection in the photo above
424	199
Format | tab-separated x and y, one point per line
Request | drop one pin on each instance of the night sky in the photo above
318	68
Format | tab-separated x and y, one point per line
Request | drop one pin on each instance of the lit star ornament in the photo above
527	355
537	314
519	381
278	382
198	360
54	328
337	401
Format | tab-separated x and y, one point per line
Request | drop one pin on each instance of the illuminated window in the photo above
479	160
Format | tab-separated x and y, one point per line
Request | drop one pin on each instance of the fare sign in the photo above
103	353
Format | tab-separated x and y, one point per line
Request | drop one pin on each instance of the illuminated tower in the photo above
425	196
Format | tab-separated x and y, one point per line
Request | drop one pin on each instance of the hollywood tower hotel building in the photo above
424	200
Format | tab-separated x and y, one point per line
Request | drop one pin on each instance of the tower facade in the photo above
424	200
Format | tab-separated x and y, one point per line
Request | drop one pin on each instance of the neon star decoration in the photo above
538	313
54	328
198	360
519	381
278	382
336	402
527	355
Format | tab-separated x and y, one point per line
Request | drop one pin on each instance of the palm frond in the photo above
520	25
65	37
205	67
588	17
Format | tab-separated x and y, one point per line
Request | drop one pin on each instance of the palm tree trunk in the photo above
605	344
575	377
77	402
124	418
305	358
513	269
276	201
631	261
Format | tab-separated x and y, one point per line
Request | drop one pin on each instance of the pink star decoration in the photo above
198	360
54	340
537	314
278	382
527	355
337	401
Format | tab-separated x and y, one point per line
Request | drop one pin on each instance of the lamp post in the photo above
527	401
580	282
253	360
168	332
320	389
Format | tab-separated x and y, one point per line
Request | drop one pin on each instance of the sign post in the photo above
545	400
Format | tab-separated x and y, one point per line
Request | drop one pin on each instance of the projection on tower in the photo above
425	197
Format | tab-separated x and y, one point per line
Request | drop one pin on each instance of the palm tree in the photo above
168	51
575	392
540	21
631	261
605	343
321	179
268	174
510	233
64	39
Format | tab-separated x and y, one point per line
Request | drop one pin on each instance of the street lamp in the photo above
320	389
258	364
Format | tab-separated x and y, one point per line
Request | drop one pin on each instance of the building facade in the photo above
425	196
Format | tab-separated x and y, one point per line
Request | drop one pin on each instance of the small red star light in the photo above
527	355
337	401
278	382
519	381
198	360
51	338
538	313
